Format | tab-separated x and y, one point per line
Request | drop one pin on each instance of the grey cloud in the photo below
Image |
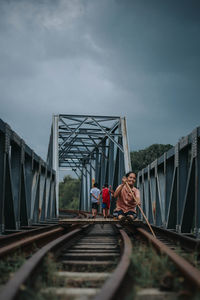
149	29
137	58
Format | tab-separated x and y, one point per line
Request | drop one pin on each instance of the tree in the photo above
69	191
140	159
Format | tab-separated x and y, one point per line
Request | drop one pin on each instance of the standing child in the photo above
105	200
95	193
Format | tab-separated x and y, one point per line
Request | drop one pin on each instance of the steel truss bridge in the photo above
96	149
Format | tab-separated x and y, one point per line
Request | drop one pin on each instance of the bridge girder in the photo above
27	184
170	187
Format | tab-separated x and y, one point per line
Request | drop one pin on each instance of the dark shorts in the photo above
105	205
128	213
94	205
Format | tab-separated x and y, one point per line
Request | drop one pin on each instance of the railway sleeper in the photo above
72	293
89	257
93	251
86	265
82	279
96	246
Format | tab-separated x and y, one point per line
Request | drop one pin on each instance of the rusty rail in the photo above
111	286
30	240
108	291
13	237
10	290
185	241
190	272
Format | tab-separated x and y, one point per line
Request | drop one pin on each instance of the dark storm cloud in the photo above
154	51
138	58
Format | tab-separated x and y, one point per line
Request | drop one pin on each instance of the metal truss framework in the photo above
27	184
94	147
170	187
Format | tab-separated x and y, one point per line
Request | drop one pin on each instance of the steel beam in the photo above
22	185
175	186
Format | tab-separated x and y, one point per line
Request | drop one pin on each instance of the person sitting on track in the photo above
95	193
126	203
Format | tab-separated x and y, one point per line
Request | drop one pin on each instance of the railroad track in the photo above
176	247
95	257
37	234
89	255
179	243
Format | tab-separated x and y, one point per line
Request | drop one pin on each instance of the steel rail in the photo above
185	241
11	289
111	286
27	241
10	238
190	272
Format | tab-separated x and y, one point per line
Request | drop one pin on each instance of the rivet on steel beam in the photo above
33	157
149	172
22	143
194	142
165	162
16	139
7	138
176	156
183	142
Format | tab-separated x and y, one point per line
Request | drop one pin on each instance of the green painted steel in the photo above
27	184
170	187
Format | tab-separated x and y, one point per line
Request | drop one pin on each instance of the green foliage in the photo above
150	270
69	191
10	265
148	267
44	277
140	159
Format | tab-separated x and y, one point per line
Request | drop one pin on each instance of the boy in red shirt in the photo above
105	200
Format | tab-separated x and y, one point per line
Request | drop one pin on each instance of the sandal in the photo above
122	218
131	218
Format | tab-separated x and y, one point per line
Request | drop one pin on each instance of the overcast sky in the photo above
139	59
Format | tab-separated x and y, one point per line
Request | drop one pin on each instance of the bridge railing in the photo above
27	184
170	187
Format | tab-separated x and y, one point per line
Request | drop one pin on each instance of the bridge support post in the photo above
56	159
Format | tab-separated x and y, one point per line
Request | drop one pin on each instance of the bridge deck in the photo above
94	221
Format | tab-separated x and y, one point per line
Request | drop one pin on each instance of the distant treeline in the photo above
140	159
69	190
70	187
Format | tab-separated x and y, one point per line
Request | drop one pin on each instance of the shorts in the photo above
128	213
94	205
105	205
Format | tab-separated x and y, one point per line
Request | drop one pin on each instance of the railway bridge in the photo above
96	148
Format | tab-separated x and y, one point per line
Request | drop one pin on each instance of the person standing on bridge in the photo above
95	193
105	200
127	201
